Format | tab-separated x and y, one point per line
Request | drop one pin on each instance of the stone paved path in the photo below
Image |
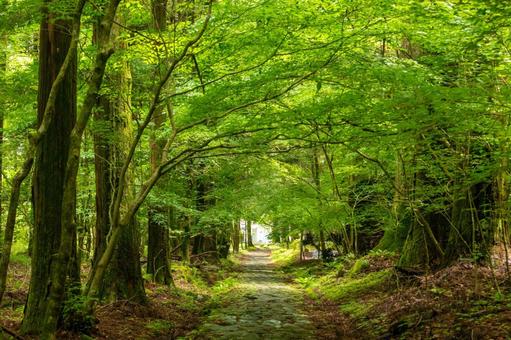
266	307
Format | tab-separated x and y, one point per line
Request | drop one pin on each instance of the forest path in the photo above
263	306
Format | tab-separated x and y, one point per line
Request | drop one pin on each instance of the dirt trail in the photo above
265	306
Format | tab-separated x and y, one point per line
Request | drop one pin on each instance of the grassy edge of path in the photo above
366	297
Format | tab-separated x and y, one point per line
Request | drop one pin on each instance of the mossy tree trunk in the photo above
3	70
113	136
502	190
158	233
60	265
415	255
50	162
5	253
460	227
424	246
121	217
236	236
157	247
189	220
185	244
206	241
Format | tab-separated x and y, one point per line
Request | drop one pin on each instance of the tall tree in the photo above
316	173
158	231
3	69
51	157
111	142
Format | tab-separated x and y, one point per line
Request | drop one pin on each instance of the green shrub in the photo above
283	257
354	309
358	267
160	326
74	315
351	288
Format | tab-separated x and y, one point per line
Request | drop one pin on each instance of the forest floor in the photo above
263	305
258	295
367	298
245	297
170	312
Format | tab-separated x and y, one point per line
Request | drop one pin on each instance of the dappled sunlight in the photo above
264	306
242	169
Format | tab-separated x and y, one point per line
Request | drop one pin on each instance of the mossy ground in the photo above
367	298
171	312
349	298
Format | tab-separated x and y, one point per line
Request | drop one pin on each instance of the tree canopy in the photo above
140	132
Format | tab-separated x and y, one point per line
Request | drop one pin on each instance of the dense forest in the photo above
144	142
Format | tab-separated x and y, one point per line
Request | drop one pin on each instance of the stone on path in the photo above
266	308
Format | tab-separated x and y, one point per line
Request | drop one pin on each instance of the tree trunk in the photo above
244	236
121	219
3	69
185	245
236	237
415	255
248	225
157	248
223	242
11	222
190	219
317	183
158	239
301	246
204	242
124	277
470	237
50	163
440	236
125	269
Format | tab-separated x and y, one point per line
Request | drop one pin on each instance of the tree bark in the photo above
59	267
50	162
124	277
3	70
158	239
120	220
223	242
236	237
248	225
185	245
157	248
11	222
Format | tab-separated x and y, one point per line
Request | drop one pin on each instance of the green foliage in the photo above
305	282
190	275
359	266
402	105
75	316
160	326
224	286
355	309
353	288
283	257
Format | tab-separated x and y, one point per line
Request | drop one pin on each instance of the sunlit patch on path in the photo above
266	307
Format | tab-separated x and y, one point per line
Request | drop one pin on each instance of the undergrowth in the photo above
373	300
283	257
